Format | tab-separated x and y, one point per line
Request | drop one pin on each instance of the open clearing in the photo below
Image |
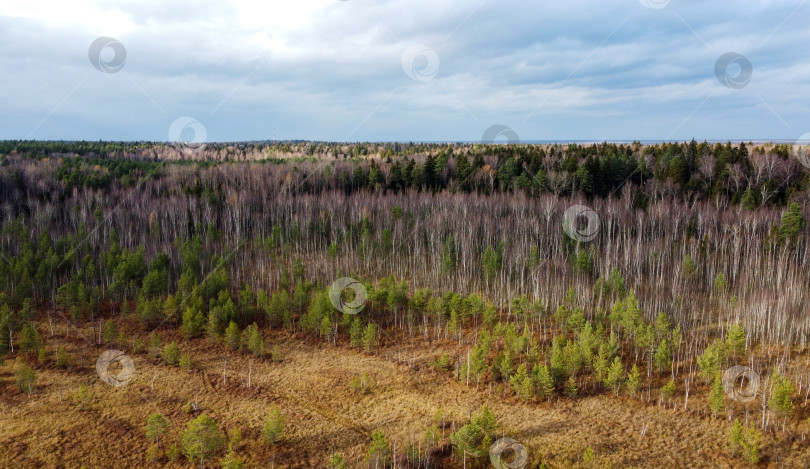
311	386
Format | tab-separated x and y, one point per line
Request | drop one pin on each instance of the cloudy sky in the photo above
384	70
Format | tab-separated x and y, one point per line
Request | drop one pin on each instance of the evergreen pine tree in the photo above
370	338
749	200
519	383
711	358
588	457
735	437
326	328
274	426
668	390
171	354
379	454
663	357
356	332
156	427
633	381
543	381
570	389
253	340
792	222
62	358
558	369
736	339
232	336
202	439
615	376
110	332
781	390
717	396
213	326
750	444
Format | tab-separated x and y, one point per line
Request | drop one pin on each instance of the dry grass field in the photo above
311	387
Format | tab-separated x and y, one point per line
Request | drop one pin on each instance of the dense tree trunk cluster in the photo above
505	245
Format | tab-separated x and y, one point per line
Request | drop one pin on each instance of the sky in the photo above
396	70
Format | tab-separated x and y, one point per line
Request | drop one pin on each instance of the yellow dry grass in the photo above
311	387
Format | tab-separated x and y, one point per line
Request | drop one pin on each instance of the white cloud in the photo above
318	68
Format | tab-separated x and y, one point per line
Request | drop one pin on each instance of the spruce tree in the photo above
792	222
749	200
448	254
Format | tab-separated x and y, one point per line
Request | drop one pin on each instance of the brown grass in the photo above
311	387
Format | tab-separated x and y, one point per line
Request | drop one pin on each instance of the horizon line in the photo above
497	142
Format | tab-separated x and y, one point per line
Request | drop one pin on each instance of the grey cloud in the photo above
499	63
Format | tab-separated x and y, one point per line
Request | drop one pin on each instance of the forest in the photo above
652	296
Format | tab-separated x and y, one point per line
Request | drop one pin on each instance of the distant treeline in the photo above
742	173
